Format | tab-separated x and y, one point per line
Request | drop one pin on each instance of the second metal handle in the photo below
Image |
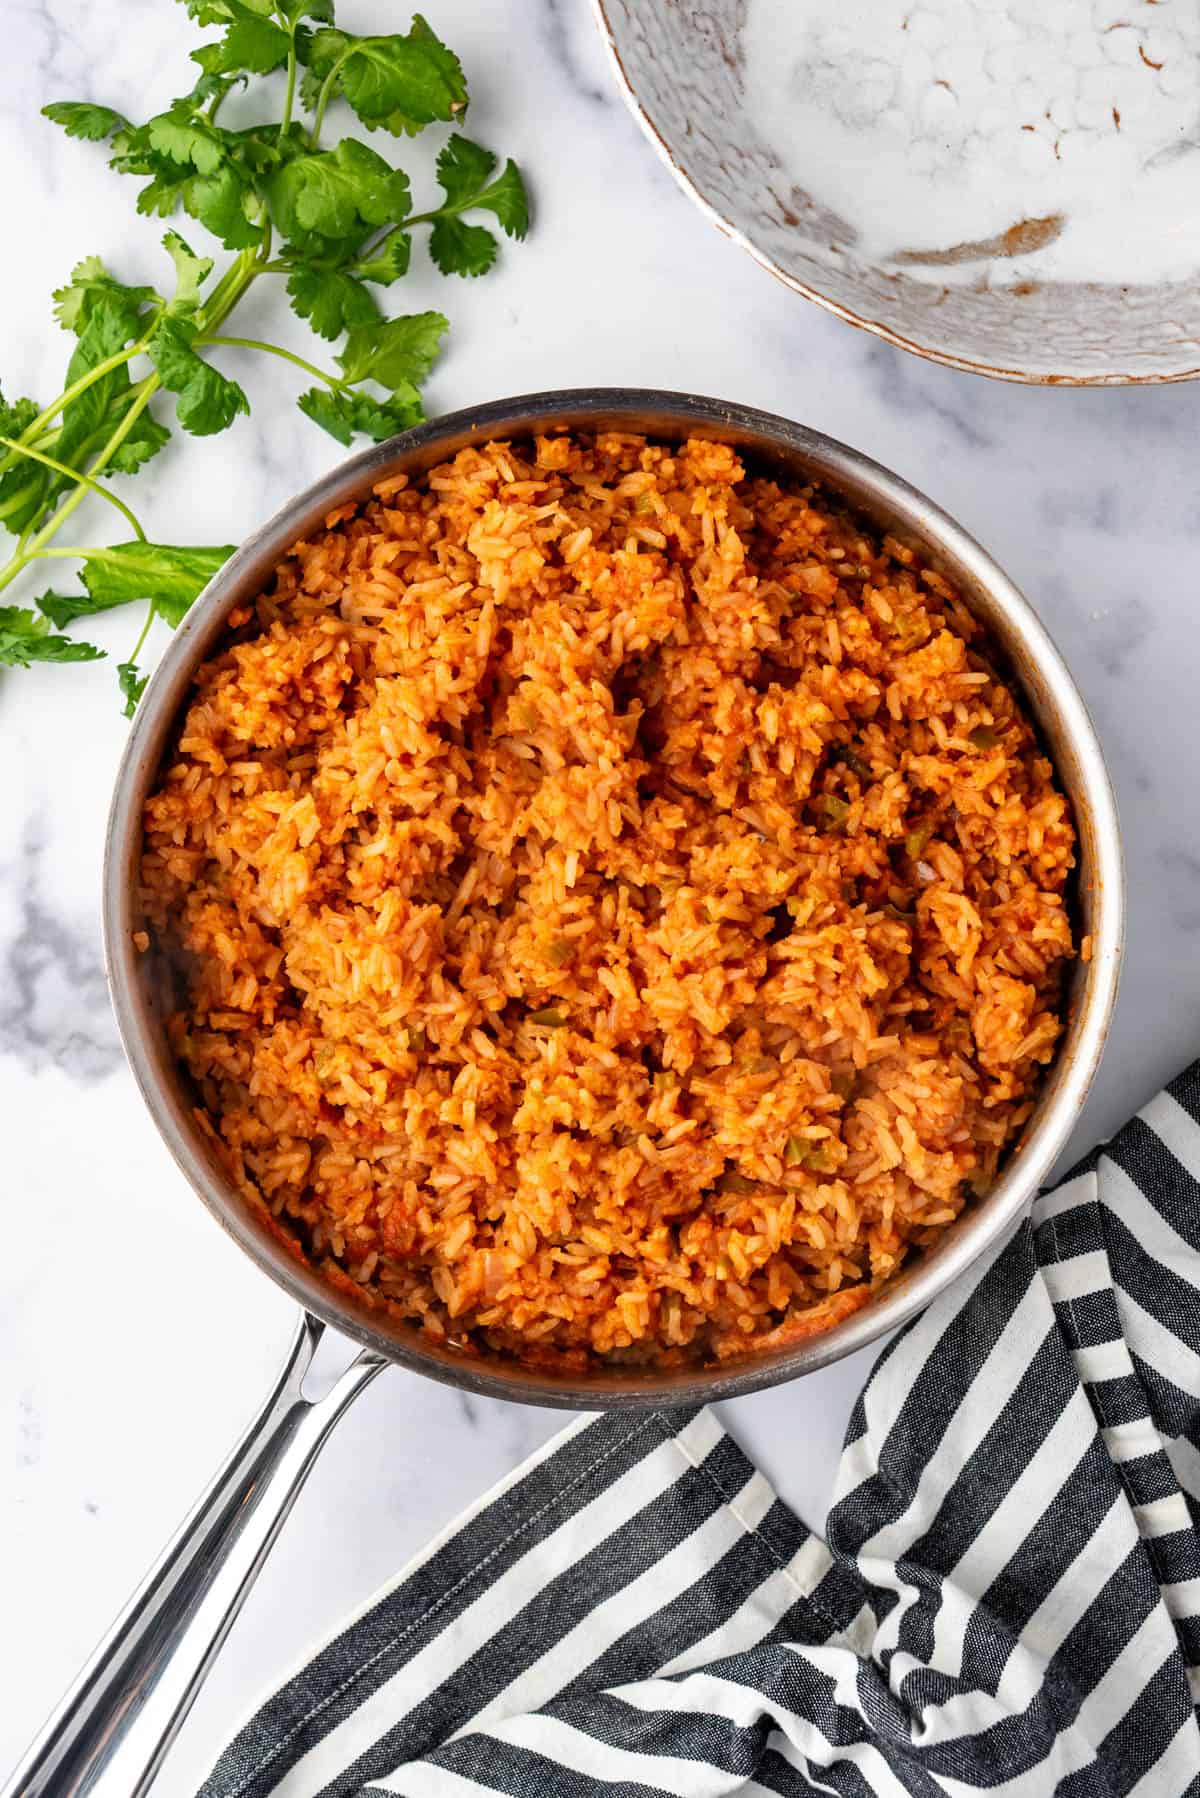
108	1737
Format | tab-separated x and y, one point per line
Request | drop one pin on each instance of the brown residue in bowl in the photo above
1021	239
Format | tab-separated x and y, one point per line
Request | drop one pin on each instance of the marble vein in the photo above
564	22
53	997
896	383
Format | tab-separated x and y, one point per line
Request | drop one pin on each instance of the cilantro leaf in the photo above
331	302
226	204
169	575
460	249
252	43
206	400
321	10
107	316
261	148
343	413
63	608
401	82
388	261
162	196
79	118
24	491
90	282
16	418
191	272
321	52
395	352
111	324
208	88
464	171
94	413
23	487
507	200
145	439
194	164
337	193
132	686
182	138
26	638
222	12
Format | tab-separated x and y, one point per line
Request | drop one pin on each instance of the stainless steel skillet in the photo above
115	1725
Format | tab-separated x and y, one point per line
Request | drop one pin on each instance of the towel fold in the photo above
1007	1599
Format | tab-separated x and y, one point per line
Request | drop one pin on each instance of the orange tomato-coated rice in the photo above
616	905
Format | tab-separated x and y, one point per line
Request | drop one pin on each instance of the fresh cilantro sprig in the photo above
336	222
25	638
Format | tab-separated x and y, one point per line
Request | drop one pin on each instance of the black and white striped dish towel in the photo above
1007	1599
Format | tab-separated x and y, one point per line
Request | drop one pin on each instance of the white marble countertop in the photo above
122	1386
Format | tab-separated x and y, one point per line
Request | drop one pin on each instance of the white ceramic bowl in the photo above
680	65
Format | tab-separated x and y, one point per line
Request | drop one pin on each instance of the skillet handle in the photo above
108	1737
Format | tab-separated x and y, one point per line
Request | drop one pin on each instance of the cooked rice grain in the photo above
616	906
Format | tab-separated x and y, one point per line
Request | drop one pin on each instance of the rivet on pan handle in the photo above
108	1737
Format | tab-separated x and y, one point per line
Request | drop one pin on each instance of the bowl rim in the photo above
848	472
996	371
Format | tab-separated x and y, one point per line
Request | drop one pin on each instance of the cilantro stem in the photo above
76	475
273	349
372	249
136	651
15	501
12	568
83	550
290	94
229	290
220	303
76	388
450	210
323	97
35	548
